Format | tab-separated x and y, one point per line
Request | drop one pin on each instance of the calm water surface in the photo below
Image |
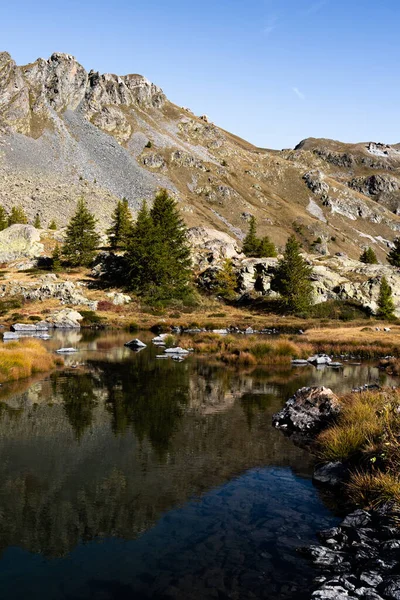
129	477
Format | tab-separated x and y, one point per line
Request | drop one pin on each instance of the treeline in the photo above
17	216
157	260
155	247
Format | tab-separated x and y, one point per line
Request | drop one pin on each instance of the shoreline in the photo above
360	557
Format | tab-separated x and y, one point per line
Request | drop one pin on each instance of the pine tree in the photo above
56	259
121	225
394	254
251	244
53	225
266	248
174	255
81	237
17	215
142	253
385	300
36	222
292	278
369	257
157	253
226	281
3	219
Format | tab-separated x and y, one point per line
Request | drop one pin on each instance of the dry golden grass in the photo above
362	341
247	350
25	358
366	437
374	488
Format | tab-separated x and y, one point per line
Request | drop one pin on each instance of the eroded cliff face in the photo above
66	132
32	92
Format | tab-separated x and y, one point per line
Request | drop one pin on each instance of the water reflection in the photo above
117	448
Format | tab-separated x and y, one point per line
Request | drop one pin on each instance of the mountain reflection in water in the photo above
174	467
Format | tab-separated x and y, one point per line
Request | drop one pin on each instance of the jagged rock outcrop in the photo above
46	287
308	411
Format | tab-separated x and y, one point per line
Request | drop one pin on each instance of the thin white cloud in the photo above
270	26
316	7
298	93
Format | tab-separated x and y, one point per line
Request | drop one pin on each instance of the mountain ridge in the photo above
67	132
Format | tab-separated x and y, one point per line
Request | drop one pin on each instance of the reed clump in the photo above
365	437
248	349
25	358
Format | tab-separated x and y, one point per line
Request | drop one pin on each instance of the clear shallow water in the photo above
128	477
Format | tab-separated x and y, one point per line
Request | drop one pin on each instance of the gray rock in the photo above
332	473
136	343
308	410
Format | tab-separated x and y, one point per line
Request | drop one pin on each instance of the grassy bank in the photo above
25	358
247	350
363	342
365	437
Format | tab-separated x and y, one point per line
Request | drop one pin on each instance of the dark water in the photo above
131	477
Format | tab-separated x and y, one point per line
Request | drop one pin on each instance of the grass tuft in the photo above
25	358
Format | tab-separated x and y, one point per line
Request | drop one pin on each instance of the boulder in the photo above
211	246
310	409
135	344
331	473
66	319
19	241
118	299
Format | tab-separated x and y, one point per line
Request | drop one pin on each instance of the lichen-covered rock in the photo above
310	409
19	241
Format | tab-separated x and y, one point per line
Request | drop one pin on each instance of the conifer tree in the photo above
56	259
3	218
226	281
369	257
394	254
292	278
174	248
36	222
17	215
142	253
81	237
121	225
251	244
53	225
385	300
266	248
158	254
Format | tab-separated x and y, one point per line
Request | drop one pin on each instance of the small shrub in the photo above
34	318
133	327
149	144
9	304
90	318
169	341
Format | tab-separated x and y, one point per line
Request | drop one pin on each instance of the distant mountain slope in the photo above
65	132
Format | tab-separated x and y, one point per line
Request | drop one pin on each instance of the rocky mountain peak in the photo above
61	83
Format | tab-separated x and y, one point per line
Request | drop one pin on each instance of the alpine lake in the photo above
127	477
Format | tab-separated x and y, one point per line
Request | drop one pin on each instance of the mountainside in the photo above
65	132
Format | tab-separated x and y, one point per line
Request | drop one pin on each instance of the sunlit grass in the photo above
25	358
366	436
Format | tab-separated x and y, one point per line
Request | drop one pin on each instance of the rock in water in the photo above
67	350
135	344
177	350
308	410
332	473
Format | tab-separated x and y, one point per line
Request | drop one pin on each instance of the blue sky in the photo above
271	71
